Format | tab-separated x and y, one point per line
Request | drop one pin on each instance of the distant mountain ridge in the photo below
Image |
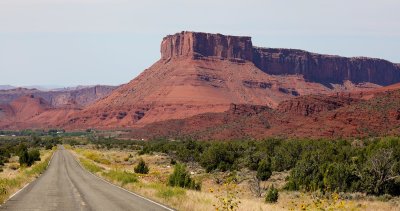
78	96
6	87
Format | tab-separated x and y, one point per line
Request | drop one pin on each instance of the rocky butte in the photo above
201	73
314	67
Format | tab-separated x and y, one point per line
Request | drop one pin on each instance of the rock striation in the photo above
198	45
326	68
207	83
314	67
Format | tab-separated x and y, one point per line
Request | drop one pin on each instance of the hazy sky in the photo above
81	42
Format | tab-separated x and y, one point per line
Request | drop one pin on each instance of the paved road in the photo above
66	186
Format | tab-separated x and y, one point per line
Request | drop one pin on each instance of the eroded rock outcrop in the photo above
318	68
196	45
326	68
314	104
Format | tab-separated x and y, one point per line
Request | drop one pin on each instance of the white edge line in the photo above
135	194
26	185
29	182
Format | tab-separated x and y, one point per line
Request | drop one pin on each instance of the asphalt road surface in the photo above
66	186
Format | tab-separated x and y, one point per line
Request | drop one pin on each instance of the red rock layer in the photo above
325	68
303	117
314	67
193	44
201	73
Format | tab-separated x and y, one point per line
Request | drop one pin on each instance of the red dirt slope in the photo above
31	112
305	117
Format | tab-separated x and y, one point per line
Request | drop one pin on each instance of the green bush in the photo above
338	177
28	158
141	167
181	178
218	156
264	170
379	173
34	155
272	195
315	165
24	157
49	146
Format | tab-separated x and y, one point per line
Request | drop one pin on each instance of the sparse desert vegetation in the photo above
253	175
273	174
23	160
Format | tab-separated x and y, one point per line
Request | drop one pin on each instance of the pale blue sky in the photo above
82	42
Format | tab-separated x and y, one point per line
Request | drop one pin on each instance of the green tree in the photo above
264	170
34	155
28	157
141	167
380	172
272	195
181	178
338	177
24	157
218	156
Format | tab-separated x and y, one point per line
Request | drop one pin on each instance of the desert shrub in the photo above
141	167
24	156
337	166
379	173
218	156
181	178
272	195
28	157
189	151
49	146
315	165
306	175
286	156
338	177
38	168
34	155
264	170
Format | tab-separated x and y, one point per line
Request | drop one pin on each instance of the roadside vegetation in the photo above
22	160
271	174
256	175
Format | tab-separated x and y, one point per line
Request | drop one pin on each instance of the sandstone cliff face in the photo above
325	68
318	68
196	45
